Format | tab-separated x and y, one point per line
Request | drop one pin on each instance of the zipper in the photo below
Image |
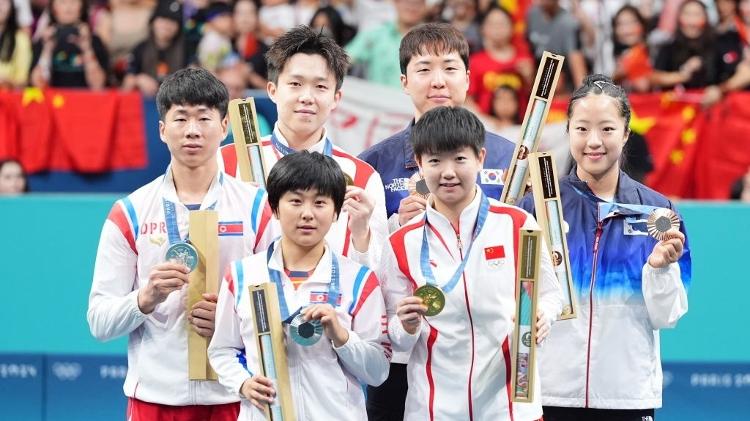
598	235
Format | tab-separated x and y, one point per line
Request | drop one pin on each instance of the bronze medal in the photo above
660	221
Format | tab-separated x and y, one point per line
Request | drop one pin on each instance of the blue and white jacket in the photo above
393	159
608	357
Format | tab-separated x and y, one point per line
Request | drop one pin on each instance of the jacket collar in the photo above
321	274
626	192
466	221
409	161
169	192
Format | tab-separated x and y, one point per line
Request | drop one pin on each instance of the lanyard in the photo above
286	150
333	287
609	209
424	257
170	217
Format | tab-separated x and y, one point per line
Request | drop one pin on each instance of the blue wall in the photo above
47	254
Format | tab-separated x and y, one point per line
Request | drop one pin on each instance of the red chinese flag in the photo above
35	131
8	125
129	144
724	154
83	129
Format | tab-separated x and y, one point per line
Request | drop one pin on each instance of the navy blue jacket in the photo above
393	159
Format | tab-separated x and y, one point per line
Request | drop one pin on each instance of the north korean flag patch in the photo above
321	297
494	255
230	228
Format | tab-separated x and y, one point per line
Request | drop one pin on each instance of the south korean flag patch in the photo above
491	176
494	256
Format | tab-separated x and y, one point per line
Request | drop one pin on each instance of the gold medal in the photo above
432	297
417	186
660	221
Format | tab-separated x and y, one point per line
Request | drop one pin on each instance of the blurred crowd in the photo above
645	45
697	47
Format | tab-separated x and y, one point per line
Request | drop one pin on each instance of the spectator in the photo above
505	60
728	19
304	11
126	27
552	28
15	48
504	110
740	188
162	54
634	69
215	49
376	50
247	44
689	59
275	17
13	178
68	54
328	20
462	14
733	64
234	79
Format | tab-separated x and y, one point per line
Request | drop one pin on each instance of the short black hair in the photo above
447	129
432	38
192	86
306	170
305	40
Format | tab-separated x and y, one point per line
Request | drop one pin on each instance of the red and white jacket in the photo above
364	176
133	240
326	381
459	368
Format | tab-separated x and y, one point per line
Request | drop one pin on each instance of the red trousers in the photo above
146	411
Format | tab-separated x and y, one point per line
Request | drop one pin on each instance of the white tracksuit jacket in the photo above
134	240
363	175
325	380
459	367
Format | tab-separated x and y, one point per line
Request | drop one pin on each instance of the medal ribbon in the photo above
170	216
286	150
609	209
424	257
333	286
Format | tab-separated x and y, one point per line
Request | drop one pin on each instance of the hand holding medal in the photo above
410	311
664	225
319	318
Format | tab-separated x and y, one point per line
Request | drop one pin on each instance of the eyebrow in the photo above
315	78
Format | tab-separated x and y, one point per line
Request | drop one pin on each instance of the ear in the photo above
161	131
482	155
224	126
336	99
271	89
404	84
468	80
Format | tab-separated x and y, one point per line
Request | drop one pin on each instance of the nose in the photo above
594	140
438	79
192	129
307	212
305	96
448	172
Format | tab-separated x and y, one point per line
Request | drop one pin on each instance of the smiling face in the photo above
193	134
435	80
451	176
692	19
305	96
597	136
628	29
305	217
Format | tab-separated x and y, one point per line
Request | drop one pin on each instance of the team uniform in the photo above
460	360
326	381
611	350
393	159
134	239
363	176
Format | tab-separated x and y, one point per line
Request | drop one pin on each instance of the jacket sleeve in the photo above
113	302
396	286
550	298
263	224
226	352
665	289
367	353
378	225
